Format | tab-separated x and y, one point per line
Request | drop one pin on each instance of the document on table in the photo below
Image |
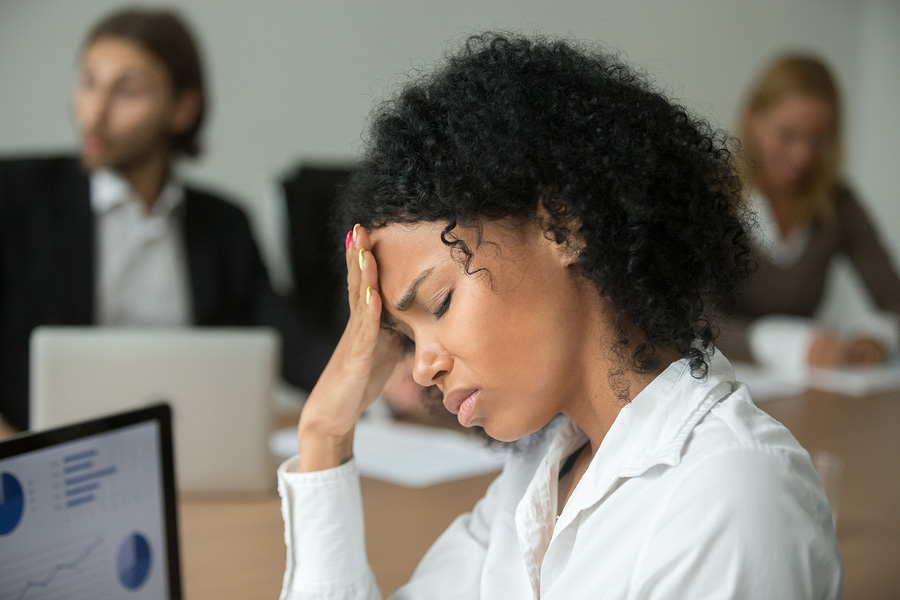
766	384
408	454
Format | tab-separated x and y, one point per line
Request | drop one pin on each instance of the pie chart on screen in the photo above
12	503
133	563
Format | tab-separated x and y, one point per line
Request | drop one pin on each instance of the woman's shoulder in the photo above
845	199
737	425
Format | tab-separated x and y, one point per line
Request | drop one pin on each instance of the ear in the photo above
569	250
186	111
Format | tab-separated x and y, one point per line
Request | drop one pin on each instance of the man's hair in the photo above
166	36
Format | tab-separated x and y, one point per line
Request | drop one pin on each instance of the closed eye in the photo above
444	305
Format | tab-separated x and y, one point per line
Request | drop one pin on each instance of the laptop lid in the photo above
88	510
219	382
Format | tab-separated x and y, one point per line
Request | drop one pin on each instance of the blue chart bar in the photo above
92	475
80	501
79	456
78	467
82	478
82	489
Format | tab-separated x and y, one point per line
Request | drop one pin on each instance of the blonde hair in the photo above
797	74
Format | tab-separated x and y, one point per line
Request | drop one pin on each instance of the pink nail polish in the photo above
347	241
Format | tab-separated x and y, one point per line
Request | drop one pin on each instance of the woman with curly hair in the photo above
791	137
548	235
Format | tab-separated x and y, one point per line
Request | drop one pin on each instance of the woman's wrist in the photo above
322	447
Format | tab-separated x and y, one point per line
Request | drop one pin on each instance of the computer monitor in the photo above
219	382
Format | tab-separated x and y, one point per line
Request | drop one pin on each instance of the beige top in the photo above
797	289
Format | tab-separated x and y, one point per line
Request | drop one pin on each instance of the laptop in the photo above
88	510
219	382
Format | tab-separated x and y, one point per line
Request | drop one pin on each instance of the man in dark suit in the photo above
113	237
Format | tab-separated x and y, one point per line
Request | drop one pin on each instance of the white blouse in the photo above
694	493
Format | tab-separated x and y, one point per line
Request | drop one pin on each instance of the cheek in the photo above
770	147
511	337
141	117
81	107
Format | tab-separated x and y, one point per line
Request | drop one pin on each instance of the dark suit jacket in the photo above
47	276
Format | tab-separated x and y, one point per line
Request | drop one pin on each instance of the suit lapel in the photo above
201	265
75	237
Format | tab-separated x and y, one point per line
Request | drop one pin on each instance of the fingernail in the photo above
362	252
368	294
355	233
347	241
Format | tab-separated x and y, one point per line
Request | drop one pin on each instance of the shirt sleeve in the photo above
324	534
325	538
760	528
870	257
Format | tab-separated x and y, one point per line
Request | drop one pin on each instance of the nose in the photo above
804	154
432	363
92	107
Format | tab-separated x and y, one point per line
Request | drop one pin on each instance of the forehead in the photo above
804	109
115	56
403	251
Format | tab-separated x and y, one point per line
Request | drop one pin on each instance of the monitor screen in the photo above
87	511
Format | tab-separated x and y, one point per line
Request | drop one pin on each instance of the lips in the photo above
94	144
462	403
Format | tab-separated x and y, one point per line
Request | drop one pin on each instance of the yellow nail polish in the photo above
368	294
362	252
355	233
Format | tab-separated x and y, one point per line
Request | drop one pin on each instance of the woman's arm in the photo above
321	501
320	489
324	535
861	242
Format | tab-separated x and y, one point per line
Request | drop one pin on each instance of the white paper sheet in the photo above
766	384
407	454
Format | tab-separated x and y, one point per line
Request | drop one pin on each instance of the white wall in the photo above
294	80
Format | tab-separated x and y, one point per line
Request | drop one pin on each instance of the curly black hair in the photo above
642	189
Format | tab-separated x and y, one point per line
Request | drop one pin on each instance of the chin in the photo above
90	163
504	434
98	161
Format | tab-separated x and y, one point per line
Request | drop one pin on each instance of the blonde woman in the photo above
791	138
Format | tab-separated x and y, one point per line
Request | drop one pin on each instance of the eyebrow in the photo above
409	296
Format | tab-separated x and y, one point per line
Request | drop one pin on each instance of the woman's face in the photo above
791	138
504	344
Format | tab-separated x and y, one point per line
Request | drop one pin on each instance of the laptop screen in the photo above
88	511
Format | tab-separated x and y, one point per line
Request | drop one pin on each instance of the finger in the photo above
827	351
866	351
351	257
358	250
363	316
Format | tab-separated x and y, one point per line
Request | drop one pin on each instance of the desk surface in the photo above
235	549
